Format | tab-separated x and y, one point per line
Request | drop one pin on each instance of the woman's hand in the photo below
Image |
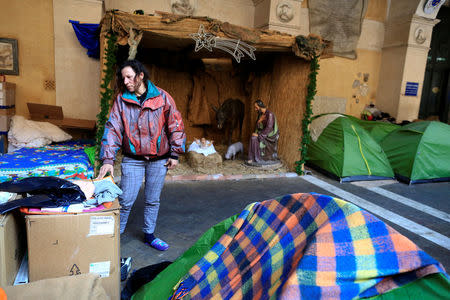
171	163
106	168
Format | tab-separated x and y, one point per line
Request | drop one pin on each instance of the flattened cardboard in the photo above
67	245
54	114
86	286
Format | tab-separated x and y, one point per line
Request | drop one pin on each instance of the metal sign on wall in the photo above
411	88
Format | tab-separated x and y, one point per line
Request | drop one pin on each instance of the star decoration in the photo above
203	39
236	48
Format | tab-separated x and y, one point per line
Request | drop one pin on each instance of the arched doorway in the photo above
435	100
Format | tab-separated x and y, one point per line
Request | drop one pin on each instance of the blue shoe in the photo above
156	243
125	267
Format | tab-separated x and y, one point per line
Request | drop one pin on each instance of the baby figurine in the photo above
202	146
204	143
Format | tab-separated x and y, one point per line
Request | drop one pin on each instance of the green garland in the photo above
107	93
306	138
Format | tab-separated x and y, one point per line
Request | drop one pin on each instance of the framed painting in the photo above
9	60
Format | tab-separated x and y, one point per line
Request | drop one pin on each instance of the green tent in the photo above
420	152
343	149
161	287
377	129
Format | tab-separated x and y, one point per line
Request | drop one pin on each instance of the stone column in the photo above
282	15
404	58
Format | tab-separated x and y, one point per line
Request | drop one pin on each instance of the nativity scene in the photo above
160	165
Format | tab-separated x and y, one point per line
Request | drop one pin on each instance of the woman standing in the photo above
145	123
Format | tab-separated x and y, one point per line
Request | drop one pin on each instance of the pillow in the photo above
53	132
28	133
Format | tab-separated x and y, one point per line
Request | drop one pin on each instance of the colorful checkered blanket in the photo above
306	246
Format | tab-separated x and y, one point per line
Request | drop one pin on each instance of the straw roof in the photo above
172	32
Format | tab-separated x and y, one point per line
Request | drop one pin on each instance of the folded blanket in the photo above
306	246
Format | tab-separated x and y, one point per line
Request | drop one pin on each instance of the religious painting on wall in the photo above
9	60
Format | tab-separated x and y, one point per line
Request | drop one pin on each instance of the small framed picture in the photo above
9	59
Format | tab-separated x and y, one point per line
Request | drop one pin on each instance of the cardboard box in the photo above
5	122
3	143
7	94
71	244
12	246
85	286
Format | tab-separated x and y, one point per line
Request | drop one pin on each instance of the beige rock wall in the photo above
377	10
148	7
337	74
31	23
392	62
77	75
238	12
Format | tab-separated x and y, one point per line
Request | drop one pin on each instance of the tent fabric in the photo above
435	286
306	246
420	151
377	129
88	36
161	286
319	124
347	151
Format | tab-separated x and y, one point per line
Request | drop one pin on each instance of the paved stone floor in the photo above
189	208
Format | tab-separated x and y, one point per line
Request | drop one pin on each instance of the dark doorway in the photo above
436	86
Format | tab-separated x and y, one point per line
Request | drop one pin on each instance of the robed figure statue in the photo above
263	147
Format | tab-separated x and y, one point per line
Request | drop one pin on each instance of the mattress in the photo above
63	160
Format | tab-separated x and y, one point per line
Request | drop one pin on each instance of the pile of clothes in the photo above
53	194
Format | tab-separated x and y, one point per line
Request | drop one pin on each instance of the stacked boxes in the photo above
7	110
7	94
72	244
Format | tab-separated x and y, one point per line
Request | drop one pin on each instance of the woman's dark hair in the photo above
137	67
260	103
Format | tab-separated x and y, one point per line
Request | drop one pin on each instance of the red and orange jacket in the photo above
152	129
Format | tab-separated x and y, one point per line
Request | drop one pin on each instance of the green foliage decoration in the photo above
107	93
306	138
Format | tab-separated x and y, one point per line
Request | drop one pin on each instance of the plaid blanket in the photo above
305	246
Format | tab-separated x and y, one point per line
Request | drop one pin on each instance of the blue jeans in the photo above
132	175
